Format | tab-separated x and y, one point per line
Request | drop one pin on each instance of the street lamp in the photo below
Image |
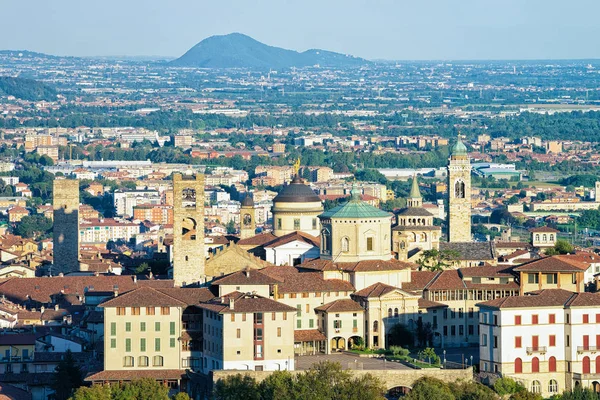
471	361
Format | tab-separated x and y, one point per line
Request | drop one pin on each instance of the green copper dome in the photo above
459	148
355	208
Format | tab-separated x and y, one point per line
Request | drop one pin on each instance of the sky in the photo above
374	29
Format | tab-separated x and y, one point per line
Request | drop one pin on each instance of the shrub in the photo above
399	351
504	386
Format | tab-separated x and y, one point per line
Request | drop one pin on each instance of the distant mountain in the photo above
241	51
26	89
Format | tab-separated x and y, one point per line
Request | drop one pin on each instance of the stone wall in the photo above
391	378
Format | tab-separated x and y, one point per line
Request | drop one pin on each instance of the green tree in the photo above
230	227
504	386
143	389
180	396
95	392
33	226
67	378
235	387
400	335
436	260
429	389
561	247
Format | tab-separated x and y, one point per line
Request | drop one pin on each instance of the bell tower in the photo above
188	229
247	218
459	194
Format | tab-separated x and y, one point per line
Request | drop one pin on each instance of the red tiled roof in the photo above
130	375
308	335
419	280
375	290
254	277
244	303
144	297
343	305
257	240
360	266
20	290
553	264
544	229
486	271
292	236
448	279
542	298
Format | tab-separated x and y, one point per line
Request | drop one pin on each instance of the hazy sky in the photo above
390	29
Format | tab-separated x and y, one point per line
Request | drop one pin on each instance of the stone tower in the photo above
66	226
459	194
414	198
247	218
188	229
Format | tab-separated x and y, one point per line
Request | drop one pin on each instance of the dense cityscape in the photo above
252	222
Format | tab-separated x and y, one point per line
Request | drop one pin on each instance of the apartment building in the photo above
547	340
125	200
156	213
105	229
247	332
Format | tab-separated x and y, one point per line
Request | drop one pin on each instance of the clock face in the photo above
247	219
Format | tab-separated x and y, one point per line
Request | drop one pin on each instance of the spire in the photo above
414	189
414	198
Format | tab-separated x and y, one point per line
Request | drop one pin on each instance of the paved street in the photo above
348	362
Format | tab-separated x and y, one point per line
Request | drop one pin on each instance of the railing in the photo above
538	349
584	377
581	349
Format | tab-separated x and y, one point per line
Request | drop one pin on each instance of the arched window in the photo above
598	365
395	312
518	366
188	197
325	241
536	387
157	361
553	386
188	229
128	361
551	237
545	237
389	313
142	361
459	190
586	365
552	364
345	244
537	237
535	364
375	326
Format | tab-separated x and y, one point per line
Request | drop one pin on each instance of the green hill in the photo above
26	89
241	51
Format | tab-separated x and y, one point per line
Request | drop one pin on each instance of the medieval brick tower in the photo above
66	226
459	194
188	229
247	218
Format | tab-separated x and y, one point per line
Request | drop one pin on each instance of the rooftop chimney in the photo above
231	303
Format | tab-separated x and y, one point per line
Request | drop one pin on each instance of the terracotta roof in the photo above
190	296
424	303
419	280
375	290
308	335
143	297
544	229
21	290
343	305
360	266
584	300
292	236
448	279
313	282
414	212
9	392
247	277
257	240
244	303
136	374
553	264
542	298
511	285
486	271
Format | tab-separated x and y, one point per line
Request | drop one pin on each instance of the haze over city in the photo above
385	29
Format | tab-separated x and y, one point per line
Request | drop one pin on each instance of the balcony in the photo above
582	349
538	349
586	377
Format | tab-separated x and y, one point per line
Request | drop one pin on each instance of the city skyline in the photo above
439	30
